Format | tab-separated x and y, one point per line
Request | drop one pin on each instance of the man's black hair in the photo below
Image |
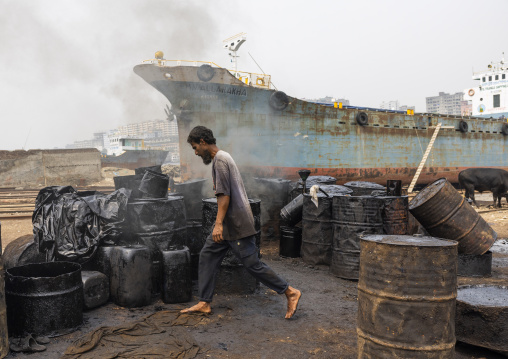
201	132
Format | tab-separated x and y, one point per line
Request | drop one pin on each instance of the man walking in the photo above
234	227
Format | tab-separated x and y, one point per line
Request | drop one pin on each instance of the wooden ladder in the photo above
424	159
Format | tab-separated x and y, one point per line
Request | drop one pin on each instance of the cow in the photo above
485	179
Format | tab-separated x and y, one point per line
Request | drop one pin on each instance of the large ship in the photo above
490	97
271	134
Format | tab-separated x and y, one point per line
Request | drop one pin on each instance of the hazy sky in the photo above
66	65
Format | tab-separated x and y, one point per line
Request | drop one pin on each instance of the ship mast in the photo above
232	44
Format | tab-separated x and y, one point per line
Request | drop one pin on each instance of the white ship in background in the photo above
490	98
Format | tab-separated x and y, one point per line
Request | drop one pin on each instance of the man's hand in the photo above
217	233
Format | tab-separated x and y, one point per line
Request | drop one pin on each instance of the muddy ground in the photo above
253	326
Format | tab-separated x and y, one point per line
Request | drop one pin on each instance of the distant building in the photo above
389	105
96	142
445	103
394	106
166	128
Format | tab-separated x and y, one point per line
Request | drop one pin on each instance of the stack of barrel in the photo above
333	226
291	231
152	246
232	278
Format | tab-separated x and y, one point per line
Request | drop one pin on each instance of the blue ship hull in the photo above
273	142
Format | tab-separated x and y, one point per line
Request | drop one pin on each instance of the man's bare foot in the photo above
293	296
201	307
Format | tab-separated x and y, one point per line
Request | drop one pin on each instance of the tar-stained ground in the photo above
253	326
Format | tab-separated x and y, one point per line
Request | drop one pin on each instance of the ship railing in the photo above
249	78
253	79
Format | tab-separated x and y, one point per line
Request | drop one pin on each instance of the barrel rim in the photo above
388	239
138	201
74	266
427	193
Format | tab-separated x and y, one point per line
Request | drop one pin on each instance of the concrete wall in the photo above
41	168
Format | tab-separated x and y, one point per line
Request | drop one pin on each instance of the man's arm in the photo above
223	204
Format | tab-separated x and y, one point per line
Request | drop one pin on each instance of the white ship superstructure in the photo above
490	97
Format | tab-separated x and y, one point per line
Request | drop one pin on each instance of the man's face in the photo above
201	150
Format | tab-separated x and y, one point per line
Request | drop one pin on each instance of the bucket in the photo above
131	276
444	213
353	217
131	182
406	297
290	241
154	185
44	298
176	278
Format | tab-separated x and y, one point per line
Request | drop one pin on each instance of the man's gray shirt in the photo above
239	221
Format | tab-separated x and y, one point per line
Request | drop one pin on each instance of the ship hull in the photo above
271	142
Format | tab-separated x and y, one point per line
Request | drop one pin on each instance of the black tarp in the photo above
69	225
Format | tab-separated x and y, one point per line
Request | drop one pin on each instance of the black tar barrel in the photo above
290	241
364	188
482	316
317	226
291	213
195	243
475	265
131	276
101	261
176	278
232	278
311	181
4	335
353	217
44	298
273	193
444	213
192	192
406	297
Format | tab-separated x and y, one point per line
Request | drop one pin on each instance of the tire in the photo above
504	129
362	118
463	126
205	73
279	100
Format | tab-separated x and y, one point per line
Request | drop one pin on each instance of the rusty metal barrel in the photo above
395	214
353	217
4	336
444	213
407	291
